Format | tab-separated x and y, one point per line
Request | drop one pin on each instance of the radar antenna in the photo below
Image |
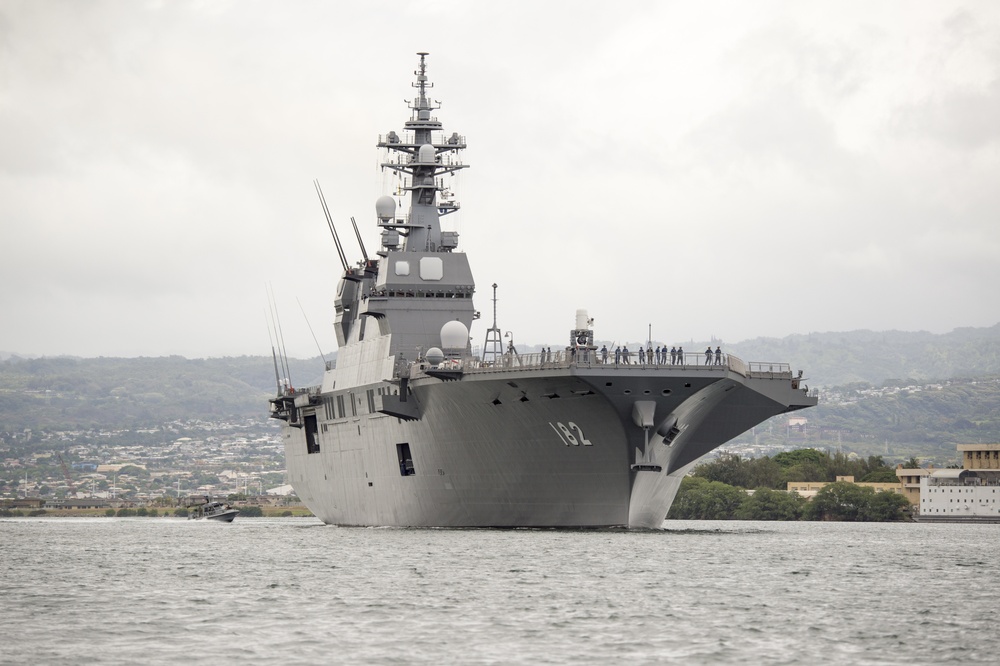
421	83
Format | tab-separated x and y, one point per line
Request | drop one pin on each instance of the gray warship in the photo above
410	428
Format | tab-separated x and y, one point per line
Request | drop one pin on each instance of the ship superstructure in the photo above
410	429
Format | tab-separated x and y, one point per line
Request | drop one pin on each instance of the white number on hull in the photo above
566	434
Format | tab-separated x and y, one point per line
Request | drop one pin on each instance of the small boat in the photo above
213	511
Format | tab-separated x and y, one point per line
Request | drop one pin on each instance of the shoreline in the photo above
294	511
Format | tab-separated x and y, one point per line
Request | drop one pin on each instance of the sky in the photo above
724	170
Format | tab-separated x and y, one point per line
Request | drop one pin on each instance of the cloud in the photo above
727	170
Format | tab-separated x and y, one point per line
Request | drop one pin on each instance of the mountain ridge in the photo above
74	392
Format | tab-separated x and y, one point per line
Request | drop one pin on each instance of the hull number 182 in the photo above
571	434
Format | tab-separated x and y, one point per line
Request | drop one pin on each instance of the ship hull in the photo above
538	448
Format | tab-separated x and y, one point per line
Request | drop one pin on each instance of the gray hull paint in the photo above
488	450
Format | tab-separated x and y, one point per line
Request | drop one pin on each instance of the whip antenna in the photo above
333	230
357	233
311	328
274	355
279	337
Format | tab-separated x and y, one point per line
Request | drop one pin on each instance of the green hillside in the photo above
835	359
73	393
926	420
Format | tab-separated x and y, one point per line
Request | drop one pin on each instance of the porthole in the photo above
627	392
665	392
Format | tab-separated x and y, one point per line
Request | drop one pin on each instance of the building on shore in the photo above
78	503
984	457
808	489
910	478
970	493
22	503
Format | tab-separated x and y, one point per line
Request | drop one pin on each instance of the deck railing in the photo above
689	362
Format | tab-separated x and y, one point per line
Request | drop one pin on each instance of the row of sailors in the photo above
622	355
660	356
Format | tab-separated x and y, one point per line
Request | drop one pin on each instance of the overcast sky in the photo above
724	169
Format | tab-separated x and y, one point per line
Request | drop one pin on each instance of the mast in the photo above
493	347
424	161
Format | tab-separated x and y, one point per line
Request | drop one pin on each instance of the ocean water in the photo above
170	591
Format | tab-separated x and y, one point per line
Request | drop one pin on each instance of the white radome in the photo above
385	208
454	335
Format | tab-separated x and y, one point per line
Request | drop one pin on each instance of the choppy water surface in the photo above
158	590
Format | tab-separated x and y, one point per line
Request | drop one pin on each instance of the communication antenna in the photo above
281	346
493	347
279	337
357	233
274	355
310	325
333	230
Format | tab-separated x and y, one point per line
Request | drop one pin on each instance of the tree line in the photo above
798	465
717	490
